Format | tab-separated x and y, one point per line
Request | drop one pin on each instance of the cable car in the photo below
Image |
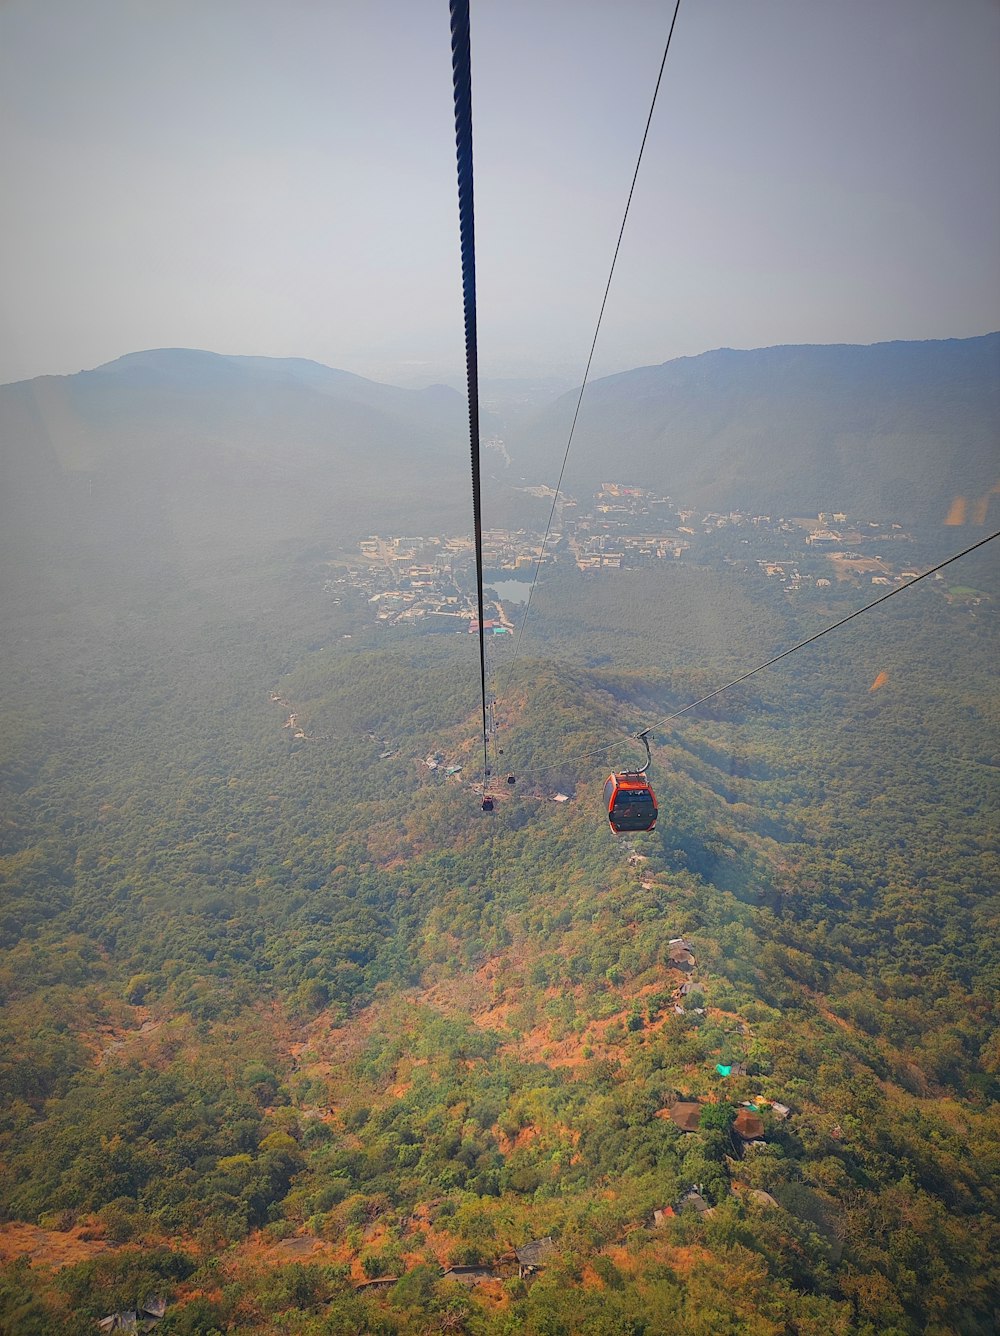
629	798
631	802
487	804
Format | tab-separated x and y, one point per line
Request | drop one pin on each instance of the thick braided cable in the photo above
461	67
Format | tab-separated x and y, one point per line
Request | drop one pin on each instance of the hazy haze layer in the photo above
280	180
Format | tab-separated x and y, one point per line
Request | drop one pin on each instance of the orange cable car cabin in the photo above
631	802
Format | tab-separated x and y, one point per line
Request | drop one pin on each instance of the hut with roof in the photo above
141	1319
377	1283
531	1257
470	1275
681	957
695	1201
685	1115
749	1126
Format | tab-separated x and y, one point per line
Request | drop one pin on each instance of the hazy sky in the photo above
278	178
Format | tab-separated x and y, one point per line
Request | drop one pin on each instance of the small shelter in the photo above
731	1068
748	1126
141	1319
470	1275
693	1198
686	1116
531	1257
681	958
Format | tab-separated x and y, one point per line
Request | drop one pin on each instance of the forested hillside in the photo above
175	447
284	1013
900	427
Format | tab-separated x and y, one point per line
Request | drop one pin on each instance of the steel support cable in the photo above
593	346
461	67
826	630
666	718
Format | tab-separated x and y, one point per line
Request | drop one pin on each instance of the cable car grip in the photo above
642	737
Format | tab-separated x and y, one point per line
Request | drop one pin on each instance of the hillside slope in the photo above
283	1012
894	428
140	458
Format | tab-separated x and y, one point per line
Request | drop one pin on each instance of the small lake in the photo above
511	591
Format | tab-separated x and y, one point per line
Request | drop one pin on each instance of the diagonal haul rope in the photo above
461	67
825	631
693	705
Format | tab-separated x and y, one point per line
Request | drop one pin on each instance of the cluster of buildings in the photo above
413	580
747	1126
627	527
428	580
849	549
618	551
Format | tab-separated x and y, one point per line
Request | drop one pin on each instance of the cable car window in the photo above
633	798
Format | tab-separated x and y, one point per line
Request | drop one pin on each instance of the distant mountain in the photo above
894	428
171	458
158	451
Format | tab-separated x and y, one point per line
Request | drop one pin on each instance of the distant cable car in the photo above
487	804
629	799
511	779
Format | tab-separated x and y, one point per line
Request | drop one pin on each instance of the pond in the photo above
512	591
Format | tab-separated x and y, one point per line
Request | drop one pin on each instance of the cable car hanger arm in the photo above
642	737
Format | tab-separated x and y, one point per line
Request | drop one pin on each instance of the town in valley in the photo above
427	581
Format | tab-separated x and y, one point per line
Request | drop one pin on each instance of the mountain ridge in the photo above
900	426
168	441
